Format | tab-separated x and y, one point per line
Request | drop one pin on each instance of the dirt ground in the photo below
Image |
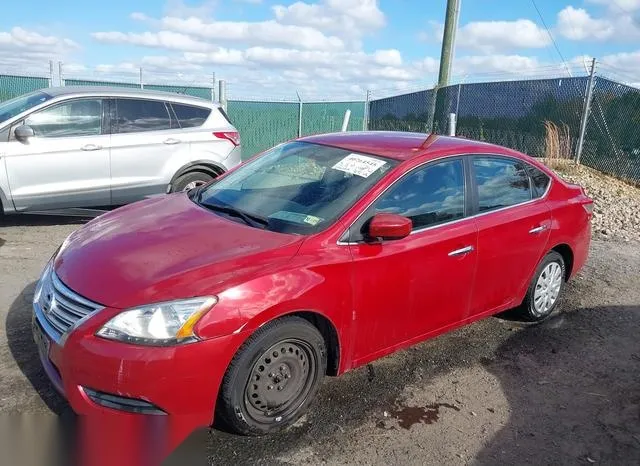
497	392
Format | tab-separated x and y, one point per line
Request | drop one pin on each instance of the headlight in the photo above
159	324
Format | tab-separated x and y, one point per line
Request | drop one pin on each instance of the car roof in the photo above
405	146
106	91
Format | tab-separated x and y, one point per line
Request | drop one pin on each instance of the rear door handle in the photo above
461	251
536	230
171	141
90	147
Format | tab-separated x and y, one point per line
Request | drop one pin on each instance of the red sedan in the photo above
320	255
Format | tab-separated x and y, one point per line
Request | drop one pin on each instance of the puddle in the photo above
409	416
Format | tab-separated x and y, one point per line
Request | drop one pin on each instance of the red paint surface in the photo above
379	297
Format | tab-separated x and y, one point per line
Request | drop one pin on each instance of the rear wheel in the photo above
273	377
189	181
544	290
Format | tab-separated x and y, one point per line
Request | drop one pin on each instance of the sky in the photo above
320	49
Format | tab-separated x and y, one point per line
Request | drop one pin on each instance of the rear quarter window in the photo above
190	116
540	181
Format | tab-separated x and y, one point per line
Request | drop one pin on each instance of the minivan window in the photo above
501	183
140	115
16	106
428	196
68	119
540	181
190	116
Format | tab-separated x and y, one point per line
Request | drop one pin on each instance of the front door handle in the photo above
536	230
461	251
171	141
90	147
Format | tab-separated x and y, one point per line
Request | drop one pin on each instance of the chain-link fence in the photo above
612	138
405	112
264	124
541	117
13	85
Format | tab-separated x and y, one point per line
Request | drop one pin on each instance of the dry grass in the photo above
558	143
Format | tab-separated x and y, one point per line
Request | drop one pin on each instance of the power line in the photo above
555	44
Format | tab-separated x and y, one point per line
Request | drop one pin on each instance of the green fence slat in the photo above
263	124
13	86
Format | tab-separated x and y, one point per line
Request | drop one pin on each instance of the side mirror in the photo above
23	132
389	227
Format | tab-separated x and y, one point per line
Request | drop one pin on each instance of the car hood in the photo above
166	248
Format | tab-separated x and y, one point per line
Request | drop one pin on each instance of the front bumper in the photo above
181	381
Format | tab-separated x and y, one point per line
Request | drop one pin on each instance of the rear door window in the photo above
190	116
140	115
501	183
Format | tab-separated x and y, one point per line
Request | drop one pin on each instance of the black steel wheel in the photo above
273	377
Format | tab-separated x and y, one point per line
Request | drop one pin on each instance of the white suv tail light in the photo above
231	136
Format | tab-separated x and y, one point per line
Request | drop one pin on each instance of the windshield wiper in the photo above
250	219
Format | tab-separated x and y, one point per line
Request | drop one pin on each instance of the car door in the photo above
66	163
408	288
146	149
513	230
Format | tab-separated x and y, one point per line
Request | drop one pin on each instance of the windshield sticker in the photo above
312	220
296	217
360	165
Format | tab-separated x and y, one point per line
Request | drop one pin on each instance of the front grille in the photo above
61	306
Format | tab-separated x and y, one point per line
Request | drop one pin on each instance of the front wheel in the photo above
189	181
545	289
273	377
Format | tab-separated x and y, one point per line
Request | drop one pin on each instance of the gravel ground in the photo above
496	392
617	204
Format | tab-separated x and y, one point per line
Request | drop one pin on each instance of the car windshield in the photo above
16	106
297	187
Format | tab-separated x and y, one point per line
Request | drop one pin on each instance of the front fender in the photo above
246	307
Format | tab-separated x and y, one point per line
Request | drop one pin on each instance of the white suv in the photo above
94	147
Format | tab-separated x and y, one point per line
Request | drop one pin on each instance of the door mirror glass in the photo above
389	227
23	132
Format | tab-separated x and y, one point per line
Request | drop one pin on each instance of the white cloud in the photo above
619	5
616	25
256	33
578	24
163	39
496	36
22	38
347	18
23	50
390	57
512	64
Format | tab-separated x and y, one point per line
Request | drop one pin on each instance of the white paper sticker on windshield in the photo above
360	165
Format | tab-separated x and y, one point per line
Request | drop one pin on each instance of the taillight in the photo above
232	136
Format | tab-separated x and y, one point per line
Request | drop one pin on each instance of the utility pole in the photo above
448	41
585	111
446	56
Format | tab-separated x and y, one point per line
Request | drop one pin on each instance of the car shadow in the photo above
27	220
570	381
25	353
573	390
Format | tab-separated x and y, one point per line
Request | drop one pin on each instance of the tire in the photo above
542	298
281	365
190	180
